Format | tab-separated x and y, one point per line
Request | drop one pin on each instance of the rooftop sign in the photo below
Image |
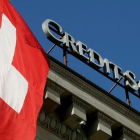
90	56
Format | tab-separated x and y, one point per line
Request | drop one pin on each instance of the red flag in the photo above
24	68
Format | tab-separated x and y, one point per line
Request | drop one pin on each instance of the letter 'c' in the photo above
50	36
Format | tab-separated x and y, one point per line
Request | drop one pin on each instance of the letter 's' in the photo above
129	81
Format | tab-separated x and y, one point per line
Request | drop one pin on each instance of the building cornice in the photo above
80	103
94	92
55	87
129	133
105	118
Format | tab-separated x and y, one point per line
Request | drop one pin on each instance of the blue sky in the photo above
111	28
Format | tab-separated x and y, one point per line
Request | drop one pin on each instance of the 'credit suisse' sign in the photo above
89	56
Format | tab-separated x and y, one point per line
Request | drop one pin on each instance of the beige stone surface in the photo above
93	101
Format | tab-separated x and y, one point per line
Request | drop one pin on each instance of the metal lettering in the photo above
116	70
94	55
50	36
94	59
138	87
82	49
69	42
129	81
106	66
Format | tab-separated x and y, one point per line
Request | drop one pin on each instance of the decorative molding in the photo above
105	118
58	128
131	134
80	103
96	93
55	87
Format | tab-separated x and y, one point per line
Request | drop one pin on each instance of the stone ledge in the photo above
55	87
96	93
80	103
129	133
105	118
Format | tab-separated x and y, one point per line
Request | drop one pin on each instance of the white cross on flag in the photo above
24	68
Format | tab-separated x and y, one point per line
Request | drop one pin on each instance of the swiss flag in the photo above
24	68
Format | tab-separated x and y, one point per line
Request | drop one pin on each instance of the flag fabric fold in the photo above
24	69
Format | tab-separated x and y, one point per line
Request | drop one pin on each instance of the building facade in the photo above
77	109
